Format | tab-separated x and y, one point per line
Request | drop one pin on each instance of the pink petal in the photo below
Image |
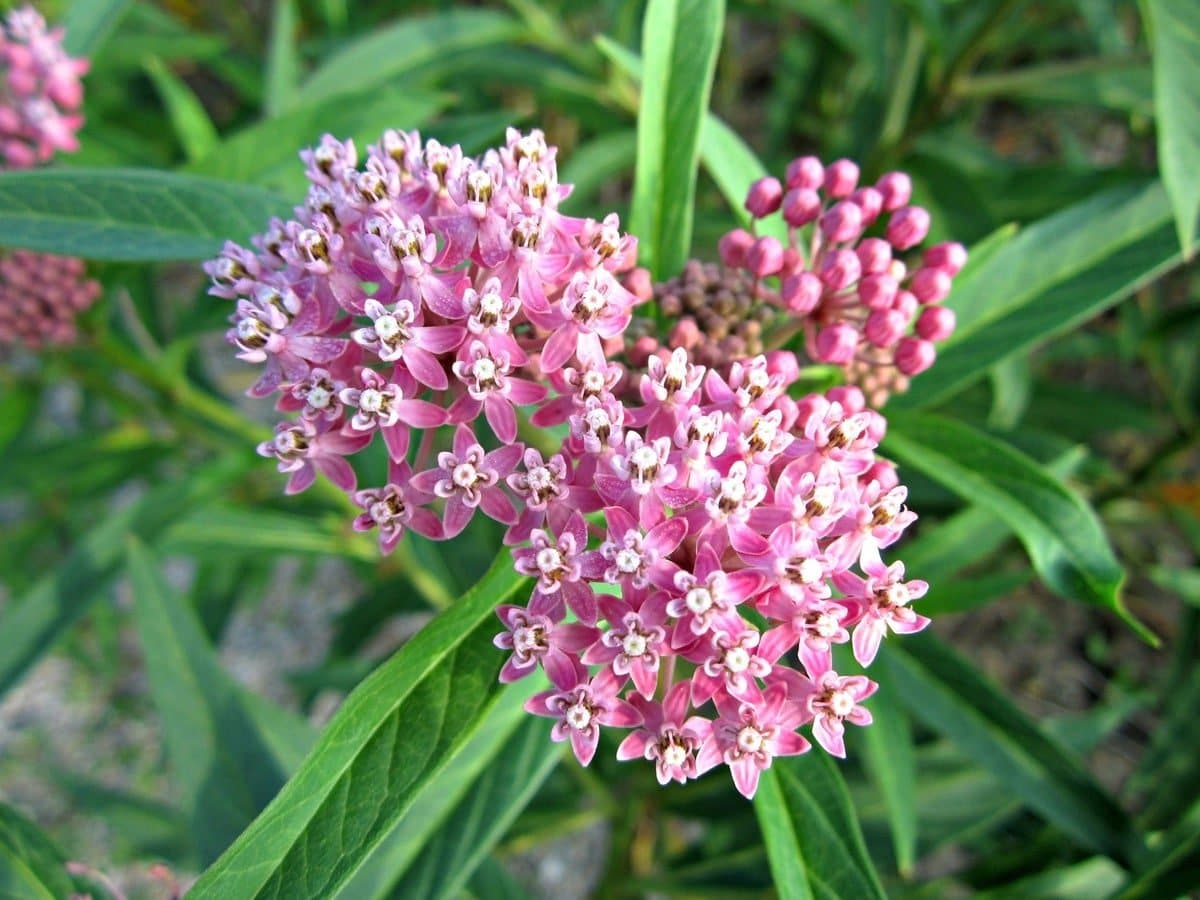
866	639
585	745
634	746
456	516
745	776
425	367
496	505
439	338
397	439
559	348
501	417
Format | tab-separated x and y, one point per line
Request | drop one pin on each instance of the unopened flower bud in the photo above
841	178
805	173
801	293
908	227
885	326
878	291
764	197
870	201
840	269
837	343
950	257
848	396
904	302
914	355
936	323
895	189
733	247
930	285
765	257
801	206
875	254
843	222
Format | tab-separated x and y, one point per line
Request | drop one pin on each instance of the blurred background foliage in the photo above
152	710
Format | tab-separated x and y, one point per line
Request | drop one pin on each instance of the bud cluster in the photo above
40	296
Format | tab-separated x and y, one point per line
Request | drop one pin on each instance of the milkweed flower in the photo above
41	296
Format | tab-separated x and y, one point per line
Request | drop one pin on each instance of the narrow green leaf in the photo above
283	61
267	153
1087	880
1174	28
492	881
830	840
223	766
129	215
892	765
599	162
397	731
1053	276
193	128
1185	583
17	404
734	167
88	23
1117	84
1174	868
241	530
1012	389
478	823
952	697
386	54
34	622
1060	532
680	43
781	839
31	868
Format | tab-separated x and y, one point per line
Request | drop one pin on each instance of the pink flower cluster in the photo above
731	514
415	289
40	94
40	296
861	305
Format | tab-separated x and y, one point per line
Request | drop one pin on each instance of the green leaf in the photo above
734	167
1174	868
129	215
17	404
193	128
826	839
952	697
386	54
223	766
599	162
31	868
1060	532
283	62
33	623
892	765
492	881
1174	27
396	732
481	819
1087	880
267	153
88	23
434	808
241	530
1117	84
1053	276
680	42
781	838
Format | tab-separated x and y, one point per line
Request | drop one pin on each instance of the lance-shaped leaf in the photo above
223	761
31	868
88	23
392	736
1060	532
680	41
129	215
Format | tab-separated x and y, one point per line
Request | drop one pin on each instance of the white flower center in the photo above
823	495
597	420
841	703
737	659
749	739
319	397
634	644
464	475
629	561
579	717
549	560
644	458
699	600
529	638
593	382
540	478
827	625
809	571
491	305
591	302
370	400
387	327
484	370
897	594
674	754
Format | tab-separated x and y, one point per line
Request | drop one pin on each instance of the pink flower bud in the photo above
878	291
896	190
908	227
840	269
843	222
848	396
764	197
914	355
686	334
875	254
871	203
765	257
801	206
841	178
801	293
877	427
885	326
930	285
904	302
733	246
639	283
883	472
837	343
784	364
936	323
950	257
805	173
643	348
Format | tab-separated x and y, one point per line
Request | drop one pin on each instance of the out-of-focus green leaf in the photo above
88	23
1050	278
1183	582
35	621
598	162
240	530
680	43
1174	27
1060	532
970	592
491	881
1173	869
839	21
891	762
1012	388
952	697
385	54
1122	85
129	215
31	868
193	128
734	167
394	735
1087	880
1168	774
140	826
826	843
267	153
283	61
781	838
223	766
16	407
434	808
